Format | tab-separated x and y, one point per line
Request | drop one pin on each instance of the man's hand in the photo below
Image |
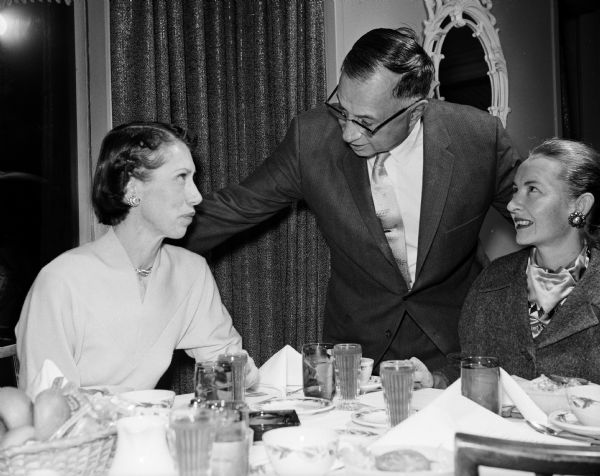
422	376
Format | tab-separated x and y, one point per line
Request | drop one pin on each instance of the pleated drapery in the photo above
234	73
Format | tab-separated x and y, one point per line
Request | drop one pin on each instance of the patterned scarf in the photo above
546	289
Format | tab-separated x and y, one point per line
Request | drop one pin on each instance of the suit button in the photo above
388	333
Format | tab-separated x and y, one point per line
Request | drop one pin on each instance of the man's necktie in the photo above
388	212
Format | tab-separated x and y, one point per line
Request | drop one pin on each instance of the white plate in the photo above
565	420
373	417
150	398
302	405
373	384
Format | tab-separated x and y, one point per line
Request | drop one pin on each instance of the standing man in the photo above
400	185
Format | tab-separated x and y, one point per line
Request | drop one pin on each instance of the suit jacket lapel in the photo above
437	172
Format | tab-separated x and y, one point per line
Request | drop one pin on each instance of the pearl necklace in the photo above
143	272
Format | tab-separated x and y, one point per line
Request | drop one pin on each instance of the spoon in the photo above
562	433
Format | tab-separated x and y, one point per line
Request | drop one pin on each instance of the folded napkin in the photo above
436	424
44	378
521	400
282	370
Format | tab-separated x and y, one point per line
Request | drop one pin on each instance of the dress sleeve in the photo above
211	331
47	330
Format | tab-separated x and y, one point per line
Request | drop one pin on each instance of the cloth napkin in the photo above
282	370
44	378
521	400
436	424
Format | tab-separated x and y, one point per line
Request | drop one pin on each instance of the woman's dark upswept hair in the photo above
129	150
397	50
581	172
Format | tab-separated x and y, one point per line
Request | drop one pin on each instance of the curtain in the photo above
234	73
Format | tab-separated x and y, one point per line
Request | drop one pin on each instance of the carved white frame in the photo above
482	22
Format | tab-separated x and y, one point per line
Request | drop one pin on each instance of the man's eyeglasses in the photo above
341	115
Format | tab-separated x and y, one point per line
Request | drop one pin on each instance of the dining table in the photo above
436	415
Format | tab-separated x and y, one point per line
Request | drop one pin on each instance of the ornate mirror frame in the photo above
477	16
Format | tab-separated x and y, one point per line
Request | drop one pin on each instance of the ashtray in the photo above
265	420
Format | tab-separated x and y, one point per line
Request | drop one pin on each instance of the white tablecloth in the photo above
410	431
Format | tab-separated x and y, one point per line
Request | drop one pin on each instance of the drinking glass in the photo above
193	433
233	438
242	408
233	368
480	381
317	370
397	379
205	387
346	360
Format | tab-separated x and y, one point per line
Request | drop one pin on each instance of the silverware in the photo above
540	428
567	380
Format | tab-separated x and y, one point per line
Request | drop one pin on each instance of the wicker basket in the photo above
81	456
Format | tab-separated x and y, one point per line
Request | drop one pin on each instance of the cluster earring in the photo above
577	219
132	200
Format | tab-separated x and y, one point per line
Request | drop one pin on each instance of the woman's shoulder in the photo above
184	258
503	270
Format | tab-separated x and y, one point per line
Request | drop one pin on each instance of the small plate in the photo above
373	417
373	384
150	398
302	405
565	420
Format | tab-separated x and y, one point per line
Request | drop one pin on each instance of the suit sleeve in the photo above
274	185
508	160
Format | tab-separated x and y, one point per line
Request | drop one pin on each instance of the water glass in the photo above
233	376
205	386
346	359
242	408
480	381
233	439
193	432
317	370
397	379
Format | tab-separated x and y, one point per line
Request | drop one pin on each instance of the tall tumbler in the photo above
397	379
193	433
317	370
233	367
205	387
480	381
346	362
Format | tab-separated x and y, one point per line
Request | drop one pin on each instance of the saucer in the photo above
565	420
302	405
150	398
373	384
373	417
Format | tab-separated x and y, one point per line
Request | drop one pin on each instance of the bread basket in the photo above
84	455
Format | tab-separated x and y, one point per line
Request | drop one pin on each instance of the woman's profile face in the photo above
541	205
169	195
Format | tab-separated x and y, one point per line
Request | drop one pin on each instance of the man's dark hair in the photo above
396	50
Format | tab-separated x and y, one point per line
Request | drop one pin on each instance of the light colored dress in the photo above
85	313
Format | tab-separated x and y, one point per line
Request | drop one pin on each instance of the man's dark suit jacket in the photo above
495	321
468	165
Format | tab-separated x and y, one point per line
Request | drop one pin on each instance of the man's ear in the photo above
417	112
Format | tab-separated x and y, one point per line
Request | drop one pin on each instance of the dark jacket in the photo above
495	321
468	165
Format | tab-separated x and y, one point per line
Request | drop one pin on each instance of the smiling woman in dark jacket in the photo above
538	309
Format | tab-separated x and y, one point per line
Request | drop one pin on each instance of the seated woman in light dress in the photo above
111	312
538	309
